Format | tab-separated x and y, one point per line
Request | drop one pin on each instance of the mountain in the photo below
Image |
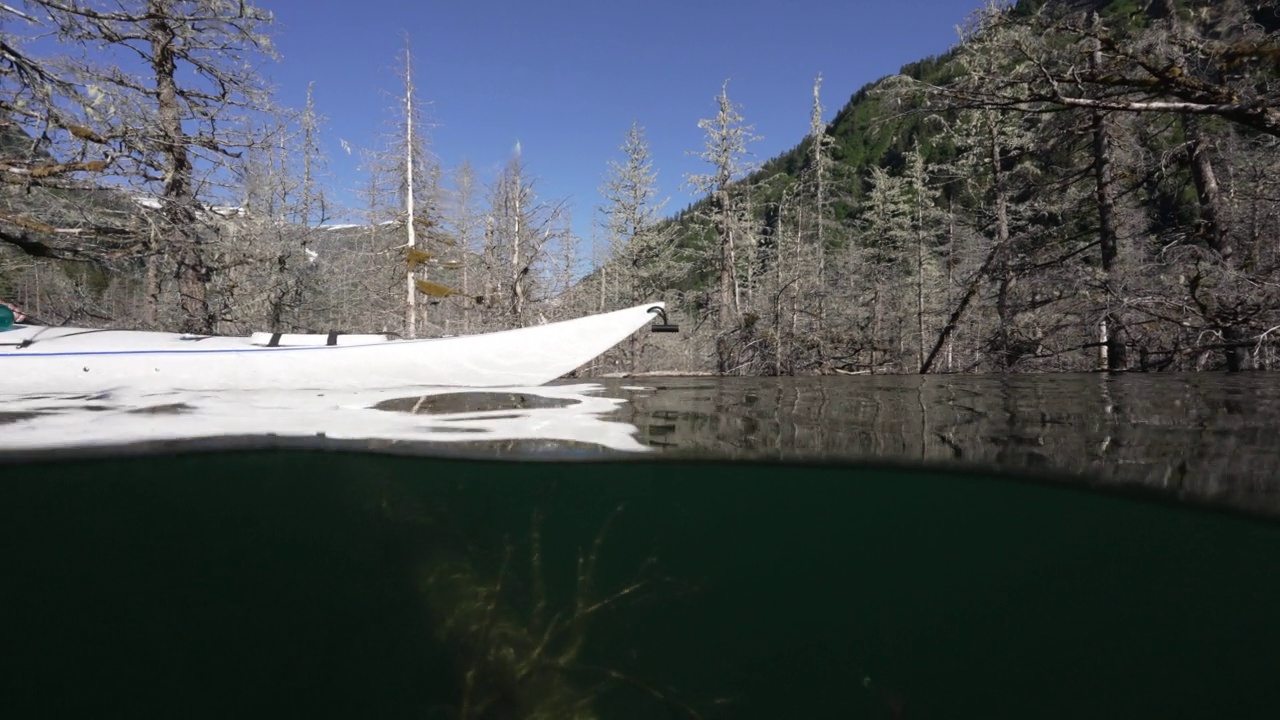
866	133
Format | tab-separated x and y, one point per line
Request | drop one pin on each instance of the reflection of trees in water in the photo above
1200	435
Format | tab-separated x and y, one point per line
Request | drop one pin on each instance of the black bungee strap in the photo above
330	340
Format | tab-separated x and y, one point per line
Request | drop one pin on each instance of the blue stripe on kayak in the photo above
173	352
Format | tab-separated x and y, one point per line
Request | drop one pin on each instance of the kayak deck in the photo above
62	359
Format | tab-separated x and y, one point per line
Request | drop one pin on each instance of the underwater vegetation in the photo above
519	650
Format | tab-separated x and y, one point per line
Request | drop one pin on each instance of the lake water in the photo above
1204	437
878	547
1200	436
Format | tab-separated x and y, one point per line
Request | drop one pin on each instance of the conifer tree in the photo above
727	137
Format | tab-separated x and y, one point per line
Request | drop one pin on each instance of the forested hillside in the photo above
1079	184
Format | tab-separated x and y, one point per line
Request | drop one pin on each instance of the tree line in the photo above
148	179
1074	186
1077	185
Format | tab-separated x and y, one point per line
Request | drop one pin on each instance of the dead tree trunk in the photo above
1108	229
177	194
1109	240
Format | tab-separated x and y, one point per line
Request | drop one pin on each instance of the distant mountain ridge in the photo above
864	137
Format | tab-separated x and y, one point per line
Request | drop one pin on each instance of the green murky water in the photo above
310	583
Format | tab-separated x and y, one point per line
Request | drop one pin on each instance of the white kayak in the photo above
37	359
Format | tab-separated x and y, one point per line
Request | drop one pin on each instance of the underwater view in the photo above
650	548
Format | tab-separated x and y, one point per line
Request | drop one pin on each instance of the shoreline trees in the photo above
165	109
1071	188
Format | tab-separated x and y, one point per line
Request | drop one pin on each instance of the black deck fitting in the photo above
665	325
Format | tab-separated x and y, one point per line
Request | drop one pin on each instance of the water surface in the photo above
1198	436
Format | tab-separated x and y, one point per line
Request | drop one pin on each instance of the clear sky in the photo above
566	78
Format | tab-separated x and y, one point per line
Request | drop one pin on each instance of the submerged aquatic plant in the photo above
516	658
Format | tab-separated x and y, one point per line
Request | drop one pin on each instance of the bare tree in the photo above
1113	337
170	133
520	232
466	228
407	194
925	225
271	278
1221	69
641	250
411	154
886	238
725	151
981	169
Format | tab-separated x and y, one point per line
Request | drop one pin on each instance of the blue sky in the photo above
567	77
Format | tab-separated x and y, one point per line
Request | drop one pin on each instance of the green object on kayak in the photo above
344	583
6	318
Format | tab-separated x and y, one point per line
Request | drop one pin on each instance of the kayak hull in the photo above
35	359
